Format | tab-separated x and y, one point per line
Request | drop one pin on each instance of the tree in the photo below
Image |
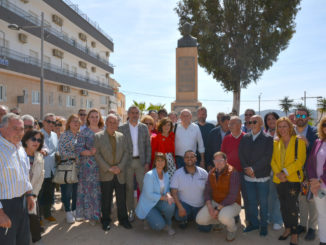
141	106
321	107
155	107
238	39
286	104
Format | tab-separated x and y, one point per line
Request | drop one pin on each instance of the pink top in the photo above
321	157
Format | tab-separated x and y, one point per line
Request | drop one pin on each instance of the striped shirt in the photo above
14	170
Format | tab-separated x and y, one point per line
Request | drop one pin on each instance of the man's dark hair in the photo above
188	152
274	114
302	108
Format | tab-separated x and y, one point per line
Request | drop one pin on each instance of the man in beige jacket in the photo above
111	157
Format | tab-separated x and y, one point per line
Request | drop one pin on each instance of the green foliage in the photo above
286	104
155	107
321	107
143	109
239	39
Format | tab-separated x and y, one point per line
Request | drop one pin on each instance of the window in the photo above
51	98
3	93
89	104
65	68
35	97
47	61
103	100
74	71
33	56
71	101
25	94
60	99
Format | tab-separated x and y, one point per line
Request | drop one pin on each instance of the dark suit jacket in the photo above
214	142
144	143
311	137
256	154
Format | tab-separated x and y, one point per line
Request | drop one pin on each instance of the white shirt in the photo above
51	145
190	187
161	185
187	139
134	138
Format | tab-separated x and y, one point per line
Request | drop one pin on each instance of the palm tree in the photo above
155	107
286	104
321	107
141	106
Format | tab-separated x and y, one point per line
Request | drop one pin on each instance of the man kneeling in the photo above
222	196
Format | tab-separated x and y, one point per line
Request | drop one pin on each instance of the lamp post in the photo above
17	28
259	97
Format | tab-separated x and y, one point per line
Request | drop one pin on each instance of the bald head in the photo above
185	117
256	122
235	125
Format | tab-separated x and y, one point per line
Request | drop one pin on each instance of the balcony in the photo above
22	63
55	33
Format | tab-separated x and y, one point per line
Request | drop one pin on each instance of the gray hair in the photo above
112	115
4	107
48	115
187	110
6	118
236	118
133	107
28	117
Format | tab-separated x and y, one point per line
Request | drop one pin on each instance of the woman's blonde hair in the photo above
321	133
73	116
287	120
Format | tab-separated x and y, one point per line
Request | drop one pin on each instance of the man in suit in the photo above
255	153
139	155
308	212
215	138
112	157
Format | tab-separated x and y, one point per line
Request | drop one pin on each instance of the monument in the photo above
186	73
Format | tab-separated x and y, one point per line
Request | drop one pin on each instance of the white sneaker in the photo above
277	227
70	218
92	222
74	213
170	230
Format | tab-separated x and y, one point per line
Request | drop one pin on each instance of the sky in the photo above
145	35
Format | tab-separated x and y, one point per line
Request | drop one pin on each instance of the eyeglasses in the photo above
151	124
302	116
49	121
82	114
58	125
253	122
28	127
39	140
324	125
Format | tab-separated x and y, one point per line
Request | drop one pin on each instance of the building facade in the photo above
77	71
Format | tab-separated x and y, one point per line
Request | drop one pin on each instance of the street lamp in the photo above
17	28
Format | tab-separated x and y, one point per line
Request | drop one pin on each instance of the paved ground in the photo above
82	233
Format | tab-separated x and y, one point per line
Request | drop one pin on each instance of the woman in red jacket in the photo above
164	142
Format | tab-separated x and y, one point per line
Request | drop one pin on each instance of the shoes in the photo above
70	218
237	219
301	229
230	236
277	227
106	227
282	238
170	230
131	216
263	231
79	219
183	224
50	219
92	222
250	228
218	227
310	236
126	224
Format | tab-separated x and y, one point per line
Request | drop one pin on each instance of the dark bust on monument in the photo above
187	40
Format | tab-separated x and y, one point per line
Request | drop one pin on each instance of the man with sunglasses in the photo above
308	212
246	126
255	153
215	138
46	195
28	123
82	116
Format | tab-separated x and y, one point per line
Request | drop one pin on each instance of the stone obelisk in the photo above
186	73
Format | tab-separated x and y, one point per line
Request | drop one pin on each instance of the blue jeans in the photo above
69	196
160	215
274	207
191	215
244	196
179	162
257	193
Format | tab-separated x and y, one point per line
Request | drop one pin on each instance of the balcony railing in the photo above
36	21
9	53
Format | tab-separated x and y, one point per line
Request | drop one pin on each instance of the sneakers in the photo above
131	216
92	222
50	219
277	227
263	231
70	218
170	230
218	227
230	236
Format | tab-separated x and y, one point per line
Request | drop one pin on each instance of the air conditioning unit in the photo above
82	37
93	44
82	64
21	99
57	20
57	53
22	38
65	89
93	69
107	53
84	92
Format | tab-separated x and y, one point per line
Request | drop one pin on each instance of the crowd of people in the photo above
272	167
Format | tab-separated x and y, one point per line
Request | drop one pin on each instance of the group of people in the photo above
274	168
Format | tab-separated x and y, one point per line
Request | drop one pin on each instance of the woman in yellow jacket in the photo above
289	155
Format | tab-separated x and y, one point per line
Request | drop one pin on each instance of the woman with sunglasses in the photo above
60	124
88	190
33	142
66	148
289	155
316	171
164	142
149	122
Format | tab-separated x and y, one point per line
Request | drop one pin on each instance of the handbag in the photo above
66	173
170	164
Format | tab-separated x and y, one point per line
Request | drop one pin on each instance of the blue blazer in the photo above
151	193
